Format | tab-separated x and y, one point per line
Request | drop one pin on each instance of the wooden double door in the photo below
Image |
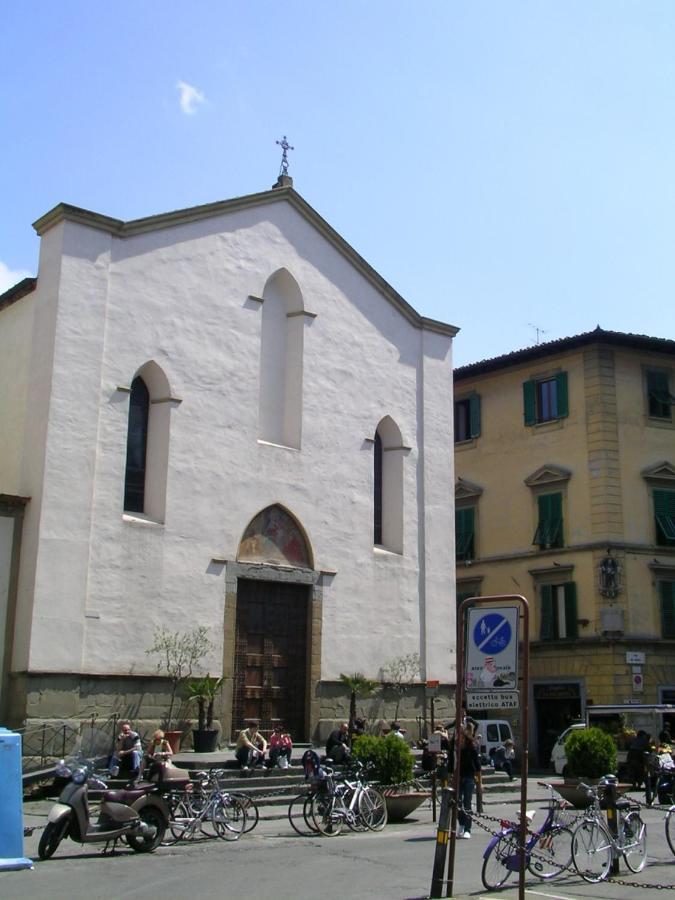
270	668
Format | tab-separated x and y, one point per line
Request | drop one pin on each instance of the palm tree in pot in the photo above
203	692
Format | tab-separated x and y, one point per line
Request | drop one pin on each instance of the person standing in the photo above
469	767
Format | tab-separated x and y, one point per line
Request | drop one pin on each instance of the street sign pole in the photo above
495	630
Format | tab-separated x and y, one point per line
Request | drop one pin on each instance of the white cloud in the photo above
190	98
10	277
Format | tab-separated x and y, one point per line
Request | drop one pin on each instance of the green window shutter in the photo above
667	591
464	533
571	616
474	415
547	629
664	513
561	392
529	402
549	530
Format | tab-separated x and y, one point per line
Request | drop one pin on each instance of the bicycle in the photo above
193	811
670	828
355	803
594	847
249	804
548	851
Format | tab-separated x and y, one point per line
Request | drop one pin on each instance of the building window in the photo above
545	399
558	612
377	490
467	418
664	514
667	597
137	440
388	458
465	533
659	398
549	533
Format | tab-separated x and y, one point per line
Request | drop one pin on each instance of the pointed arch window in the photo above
388	456
148	429
137	443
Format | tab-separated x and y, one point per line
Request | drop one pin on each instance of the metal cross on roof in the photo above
285	146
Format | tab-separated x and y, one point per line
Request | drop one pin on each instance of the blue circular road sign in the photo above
492	633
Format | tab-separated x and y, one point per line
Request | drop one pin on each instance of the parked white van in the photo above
558	755
493	733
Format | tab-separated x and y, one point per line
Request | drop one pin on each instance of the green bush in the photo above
391	758
591	753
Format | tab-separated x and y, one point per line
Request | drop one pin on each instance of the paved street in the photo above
274	861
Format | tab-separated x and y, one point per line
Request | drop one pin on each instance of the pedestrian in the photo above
469	767
397	730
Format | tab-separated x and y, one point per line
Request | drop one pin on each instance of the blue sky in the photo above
503	165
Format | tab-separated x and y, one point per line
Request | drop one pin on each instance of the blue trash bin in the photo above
11	803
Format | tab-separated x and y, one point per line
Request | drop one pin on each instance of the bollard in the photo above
442	837
11	821
609	783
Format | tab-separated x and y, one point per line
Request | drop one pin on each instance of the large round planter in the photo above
173	737
400	806
571	792
205	741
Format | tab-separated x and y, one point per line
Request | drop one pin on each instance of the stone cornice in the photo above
121	229
548	474
660	473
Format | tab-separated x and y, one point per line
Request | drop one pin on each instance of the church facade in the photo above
220	417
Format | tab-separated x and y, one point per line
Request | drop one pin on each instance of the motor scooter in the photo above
137	813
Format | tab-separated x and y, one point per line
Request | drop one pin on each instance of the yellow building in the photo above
565	493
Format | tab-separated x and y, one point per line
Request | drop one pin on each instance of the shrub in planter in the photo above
591	753
391	758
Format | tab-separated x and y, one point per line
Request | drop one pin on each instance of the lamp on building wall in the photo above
609	575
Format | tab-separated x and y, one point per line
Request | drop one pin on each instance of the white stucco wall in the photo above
179	296
16	323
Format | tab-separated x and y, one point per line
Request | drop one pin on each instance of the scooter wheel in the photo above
156	820
51	838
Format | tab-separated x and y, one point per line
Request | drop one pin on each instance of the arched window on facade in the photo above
147	458
281	362
388	458
137	441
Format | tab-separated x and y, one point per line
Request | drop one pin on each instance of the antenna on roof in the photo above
539	331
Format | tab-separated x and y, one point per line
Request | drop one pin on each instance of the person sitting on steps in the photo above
281	748
251	747
337	745
128	752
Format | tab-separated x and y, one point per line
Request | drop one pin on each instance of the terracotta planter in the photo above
571	792
400	806
173	737
205	741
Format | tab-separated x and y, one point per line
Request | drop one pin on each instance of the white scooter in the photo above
138	814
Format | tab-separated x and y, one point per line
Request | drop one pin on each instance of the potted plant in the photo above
357	685
203	692
391	762
179	654
591	753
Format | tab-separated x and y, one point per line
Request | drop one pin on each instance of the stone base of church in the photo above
56	708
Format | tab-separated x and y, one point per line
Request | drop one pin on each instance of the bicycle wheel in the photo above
592	851
229	817
181	824
326	816
500	860
372	809
300	815
634	842
551	854
670	828
353	818
251	808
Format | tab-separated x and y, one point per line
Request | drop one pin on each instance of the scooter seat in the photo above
129	795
